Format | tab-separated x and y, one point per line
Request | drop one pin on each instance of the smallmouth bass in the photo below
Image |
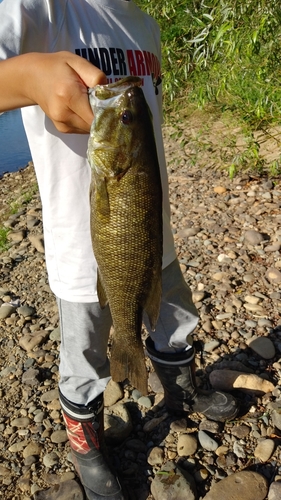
126	220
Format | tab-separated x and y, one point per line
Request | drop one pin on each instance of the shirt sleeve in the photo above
28	25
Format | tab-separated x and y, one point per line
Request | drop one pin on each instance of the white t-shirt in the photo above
118	37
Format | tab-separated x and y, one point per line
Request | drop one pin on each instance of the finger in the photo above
89	74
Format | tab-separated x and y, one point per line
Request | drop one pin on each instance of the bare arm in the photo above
56	82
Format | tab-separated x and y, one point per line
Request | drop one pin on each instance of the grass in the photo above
4	238
223	56
15	205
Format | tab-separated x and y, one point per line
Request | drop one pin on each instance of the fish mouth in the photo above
102	145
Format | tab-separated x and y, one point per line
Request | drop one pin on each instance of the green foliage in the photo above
223	52
4	238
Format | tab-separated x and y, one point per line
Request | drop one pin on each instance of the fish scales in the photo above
126	220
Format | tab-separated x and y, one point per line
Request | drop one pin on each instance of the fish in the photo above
126	220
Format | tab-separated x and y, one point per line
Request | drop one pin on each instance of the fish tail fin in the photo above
128	362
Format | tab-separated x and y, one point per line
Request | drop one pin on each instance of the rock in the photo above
50	459
6	310
273	275
151	424
117	423
187	445
219	189
28	342
49	396
17	236
227	380
68	490
37	240
275	491
244	485
240	431
207	442
253	237
156	456
264	450
173	484
276	419
21	422
59	436
26	311
113	392
32	448
262	346
31	377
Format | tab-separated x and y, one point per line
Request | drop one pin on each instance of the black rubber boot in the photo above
177	375
84	426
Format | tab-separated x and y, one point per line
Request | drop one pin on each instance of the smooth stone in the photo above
263	346
156	456
28	341
187	445
240	431
67	490
30	377
55	334
59	436
210	426
273	275
32	449
210	346
37	241
275	491
219	189
244	485
50	459
226	380
276	419
6	310
145	401
264	450
239	450
113	392
253	237
49	396
21	422
173	483
207	442
26	311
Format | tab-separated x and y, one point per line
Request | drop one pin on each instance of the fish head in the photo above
121	117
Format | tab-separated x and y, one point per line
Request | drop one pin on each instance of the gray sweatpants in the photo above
84	366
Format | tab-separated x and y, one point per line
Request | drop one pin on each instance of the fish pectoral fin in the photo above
128	362
152	306
101	292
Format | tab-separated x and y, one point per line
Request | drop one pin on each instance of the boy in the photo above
51	51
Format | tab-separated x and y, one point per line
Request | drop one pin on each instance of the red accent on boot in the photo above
76	435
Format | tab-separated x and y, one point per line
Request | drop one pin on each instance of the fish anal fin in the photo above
101	292
128	362
152	306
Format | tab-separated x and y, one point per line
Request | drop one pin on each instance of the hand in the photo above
60	85
57	82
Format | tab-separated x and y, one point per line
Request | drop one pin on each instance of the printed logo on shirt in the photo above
119	63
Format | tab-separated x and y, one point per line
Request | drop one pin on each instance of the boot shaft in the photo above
176	372
84	424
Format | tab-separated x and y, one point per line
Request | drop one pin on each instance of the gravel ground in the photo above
228	242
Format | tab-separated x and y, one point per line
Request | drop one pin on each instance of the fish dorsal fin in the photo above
101	292
152	306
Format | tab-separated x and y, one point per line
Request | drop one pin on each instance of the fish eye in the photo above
126	117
